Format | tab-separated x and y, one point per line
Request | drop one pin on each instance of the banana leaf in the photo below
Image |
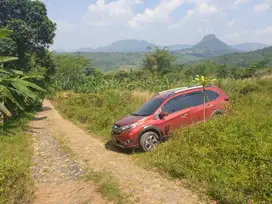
4	109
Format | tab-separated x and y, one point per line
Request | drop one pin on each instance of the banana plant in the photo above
204	81
13	83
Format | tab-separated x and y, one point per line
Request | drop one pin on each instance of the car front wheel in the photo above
149	141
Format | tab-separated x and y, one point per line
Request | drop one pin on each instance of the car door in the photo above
211	97
193	106
178	115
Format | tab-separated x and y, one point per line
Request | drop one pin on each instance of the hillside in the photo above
246	58
209	46
130	45
249	46
113	61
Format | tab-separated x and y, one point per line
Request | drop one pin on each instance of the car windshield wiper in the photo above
136	114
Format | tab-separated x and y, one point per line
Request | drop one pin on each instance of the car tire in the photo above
149	141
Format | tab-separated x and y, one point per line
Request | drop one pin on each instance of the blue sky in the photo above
94	23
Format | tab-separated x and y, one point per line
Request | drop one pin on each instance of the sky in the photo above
94	23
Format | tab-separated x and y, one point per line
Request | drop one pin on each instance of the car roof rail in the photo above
180	89
173	90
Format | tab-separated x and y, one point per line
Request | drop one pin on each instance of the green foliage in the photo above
229	157
71	70
15	161
13	85
113	61
159	61
260	58
32	32
97	112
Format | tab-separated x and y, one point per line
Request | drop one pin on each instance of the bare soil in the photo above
56	174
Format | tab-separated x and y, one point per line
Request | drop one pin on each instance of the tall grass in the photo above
229	157
15	159
97	112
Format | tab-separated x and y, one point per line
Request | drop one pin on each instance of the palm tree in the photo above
204	81
14	83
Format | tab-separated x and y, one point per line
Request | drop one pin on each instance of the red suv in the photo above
165	112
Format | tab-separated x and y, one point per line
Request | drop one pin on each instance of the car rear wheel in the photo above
149	141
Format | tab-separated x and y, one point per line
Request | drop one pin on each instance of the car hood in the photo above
130	119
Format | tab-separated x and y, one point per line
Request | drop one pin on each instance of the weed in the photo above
15	159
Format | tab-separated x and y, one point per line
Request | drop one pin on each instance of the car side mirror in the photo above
162	115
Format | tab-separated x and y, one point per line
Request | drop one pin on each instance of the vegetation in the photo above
25	34
107	186
14	86
15	159
204	82
33	33
228	157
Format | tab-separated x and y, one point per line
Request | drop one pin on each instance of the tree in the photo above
160	61
14	83
71	70
203	81
33	30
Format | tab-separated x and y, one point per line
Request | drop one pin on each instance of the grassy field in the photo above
15	160
228	158
97	112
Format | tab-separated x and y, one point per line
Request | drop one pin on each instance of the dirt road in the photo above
140	185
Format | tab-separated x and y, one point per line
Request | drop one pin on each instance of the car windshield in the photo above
149	107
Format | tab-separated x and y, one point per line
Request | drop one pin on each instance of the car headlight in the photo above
129	126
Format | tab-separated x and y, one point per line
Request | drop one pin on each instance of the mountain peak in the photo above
209	37
211	42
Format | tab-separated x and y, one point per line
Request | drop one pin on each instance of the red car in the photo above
165	112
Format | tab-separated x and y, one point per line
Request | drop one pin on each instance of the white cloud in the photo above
261	7
201	12
264	31
205	8
231	22
241	1
258	35
116	12
161	13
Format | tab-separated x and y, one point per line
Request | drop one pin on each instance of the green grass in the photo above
15	159
228	158
97	112
106	186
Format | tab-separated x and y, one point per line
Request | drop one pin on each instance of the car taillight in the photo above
226	99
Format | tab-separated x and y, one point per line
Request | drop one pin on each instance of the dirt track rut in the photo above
140	185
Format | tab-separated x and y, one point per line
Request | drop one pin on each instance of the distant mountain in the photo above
122	46
209	46
176	47
249	46
131	46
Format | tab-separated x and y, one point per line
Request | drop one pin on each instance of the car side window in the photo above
211	95
173	105
192	99
184	101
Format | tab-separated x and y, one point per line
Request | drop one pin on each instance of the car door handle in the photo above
210	106
184	115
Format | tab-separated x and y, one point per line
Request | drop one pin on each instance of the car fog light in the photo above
128	142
